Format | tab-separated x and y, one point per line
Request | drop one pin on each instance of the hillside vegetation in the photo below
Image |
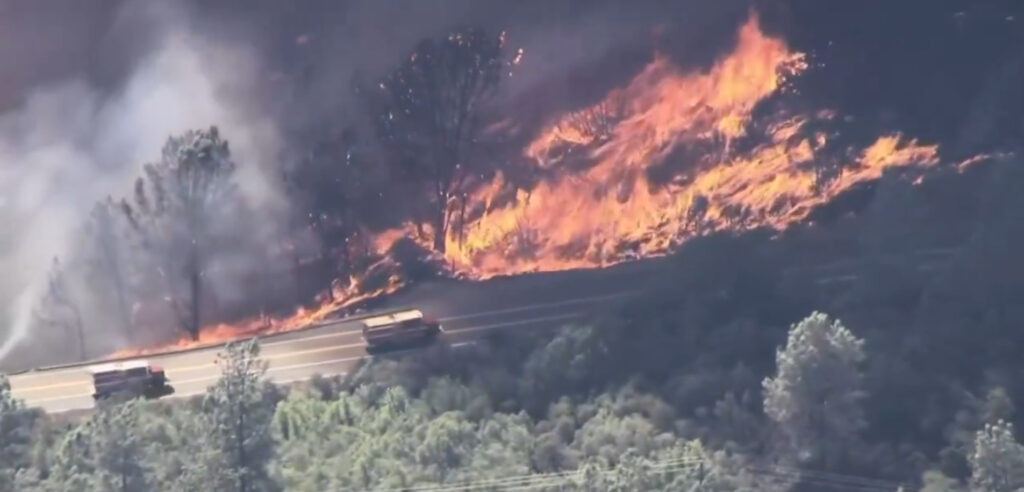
719	378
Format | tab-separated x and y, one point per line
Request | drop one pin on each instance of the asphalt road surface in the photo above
467	311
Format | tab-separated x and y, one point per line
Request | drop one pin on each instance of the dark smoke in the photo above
99	85
92	88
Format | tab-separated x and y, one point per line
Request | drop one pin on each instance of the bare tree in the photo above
172	212
427	112
108	260
58	309
325	182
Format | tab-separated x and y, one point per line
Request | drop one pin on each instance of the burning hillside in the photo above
697	125
384	281
671	155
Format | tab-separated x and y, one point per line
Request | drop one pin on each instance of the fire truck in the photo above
133	378
399	328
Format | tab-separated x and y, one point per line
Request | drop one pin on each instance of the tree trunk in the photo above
327	264
243	482
126	317
297	276
195	283
462	219
119	291
440	228
266	295
346	252
80	329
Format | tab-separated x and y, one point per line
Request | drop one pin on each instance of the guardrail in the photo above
207	346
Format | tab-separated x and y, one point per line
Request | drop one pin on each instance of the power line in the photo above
835	481
832	481
520	478
544	480
601	472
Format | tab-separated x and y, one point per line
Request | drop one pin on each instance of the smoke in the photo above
74	142
995	113
99	88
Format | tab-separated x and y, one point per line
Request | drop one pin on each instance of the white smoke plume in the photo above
120	76
71	143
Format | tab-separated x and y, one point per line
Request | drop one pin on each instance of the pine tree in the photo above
72	465
185	457
997	462
108	452
108	260
174	213
936	481
815	397
16	424
241	418
118	449
60	310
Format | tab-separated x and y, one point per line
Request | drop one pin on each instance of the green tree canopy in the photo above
16	426
815	396
241	417
997	462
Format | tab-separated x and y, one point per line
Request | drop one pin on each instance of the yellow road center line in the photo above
290	354
171	370
343	333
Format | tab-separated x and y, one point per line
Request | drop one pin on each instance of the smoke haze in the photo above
98	86
92	89
73	142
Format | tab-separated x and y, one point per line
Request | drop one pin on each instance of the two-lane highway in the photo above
328	349
467	310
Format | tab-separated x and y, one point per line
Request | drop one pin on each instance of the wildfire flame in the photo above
614	210
342	297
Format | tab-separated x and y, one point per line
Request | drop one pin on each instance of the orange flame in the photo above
265	325
614	211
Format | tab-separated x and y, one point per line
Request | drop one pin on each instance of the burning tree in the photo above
173	213
427	112
325	183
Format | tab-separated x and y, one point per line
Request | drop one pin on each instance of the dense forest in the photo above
675	392
721	377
